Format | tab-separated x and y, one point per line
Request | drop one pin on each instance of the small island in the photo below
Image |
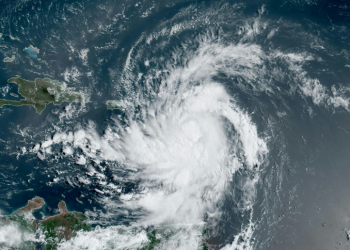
32	51
40	92
114	104
9	59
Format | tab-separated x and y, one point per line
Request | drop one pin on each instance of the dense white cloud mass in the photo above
186	144
185	149
12	236
187	141
111	238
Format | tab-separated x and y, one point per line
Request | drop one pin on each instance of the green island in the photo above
40	92
55	229
114	104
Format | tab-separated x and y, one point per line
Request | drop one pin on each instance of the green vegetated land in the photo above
63	226
23	222
155	238
55	228
153	241
24	214
120	105
112	105
40	92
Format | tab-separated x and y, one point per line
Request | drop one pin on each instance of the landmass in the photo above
155	238
79	201
114	104
33	204
32	51
23	221
63	226
40	92
153	241
13	94
54	228
24	214
205	245
9	59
